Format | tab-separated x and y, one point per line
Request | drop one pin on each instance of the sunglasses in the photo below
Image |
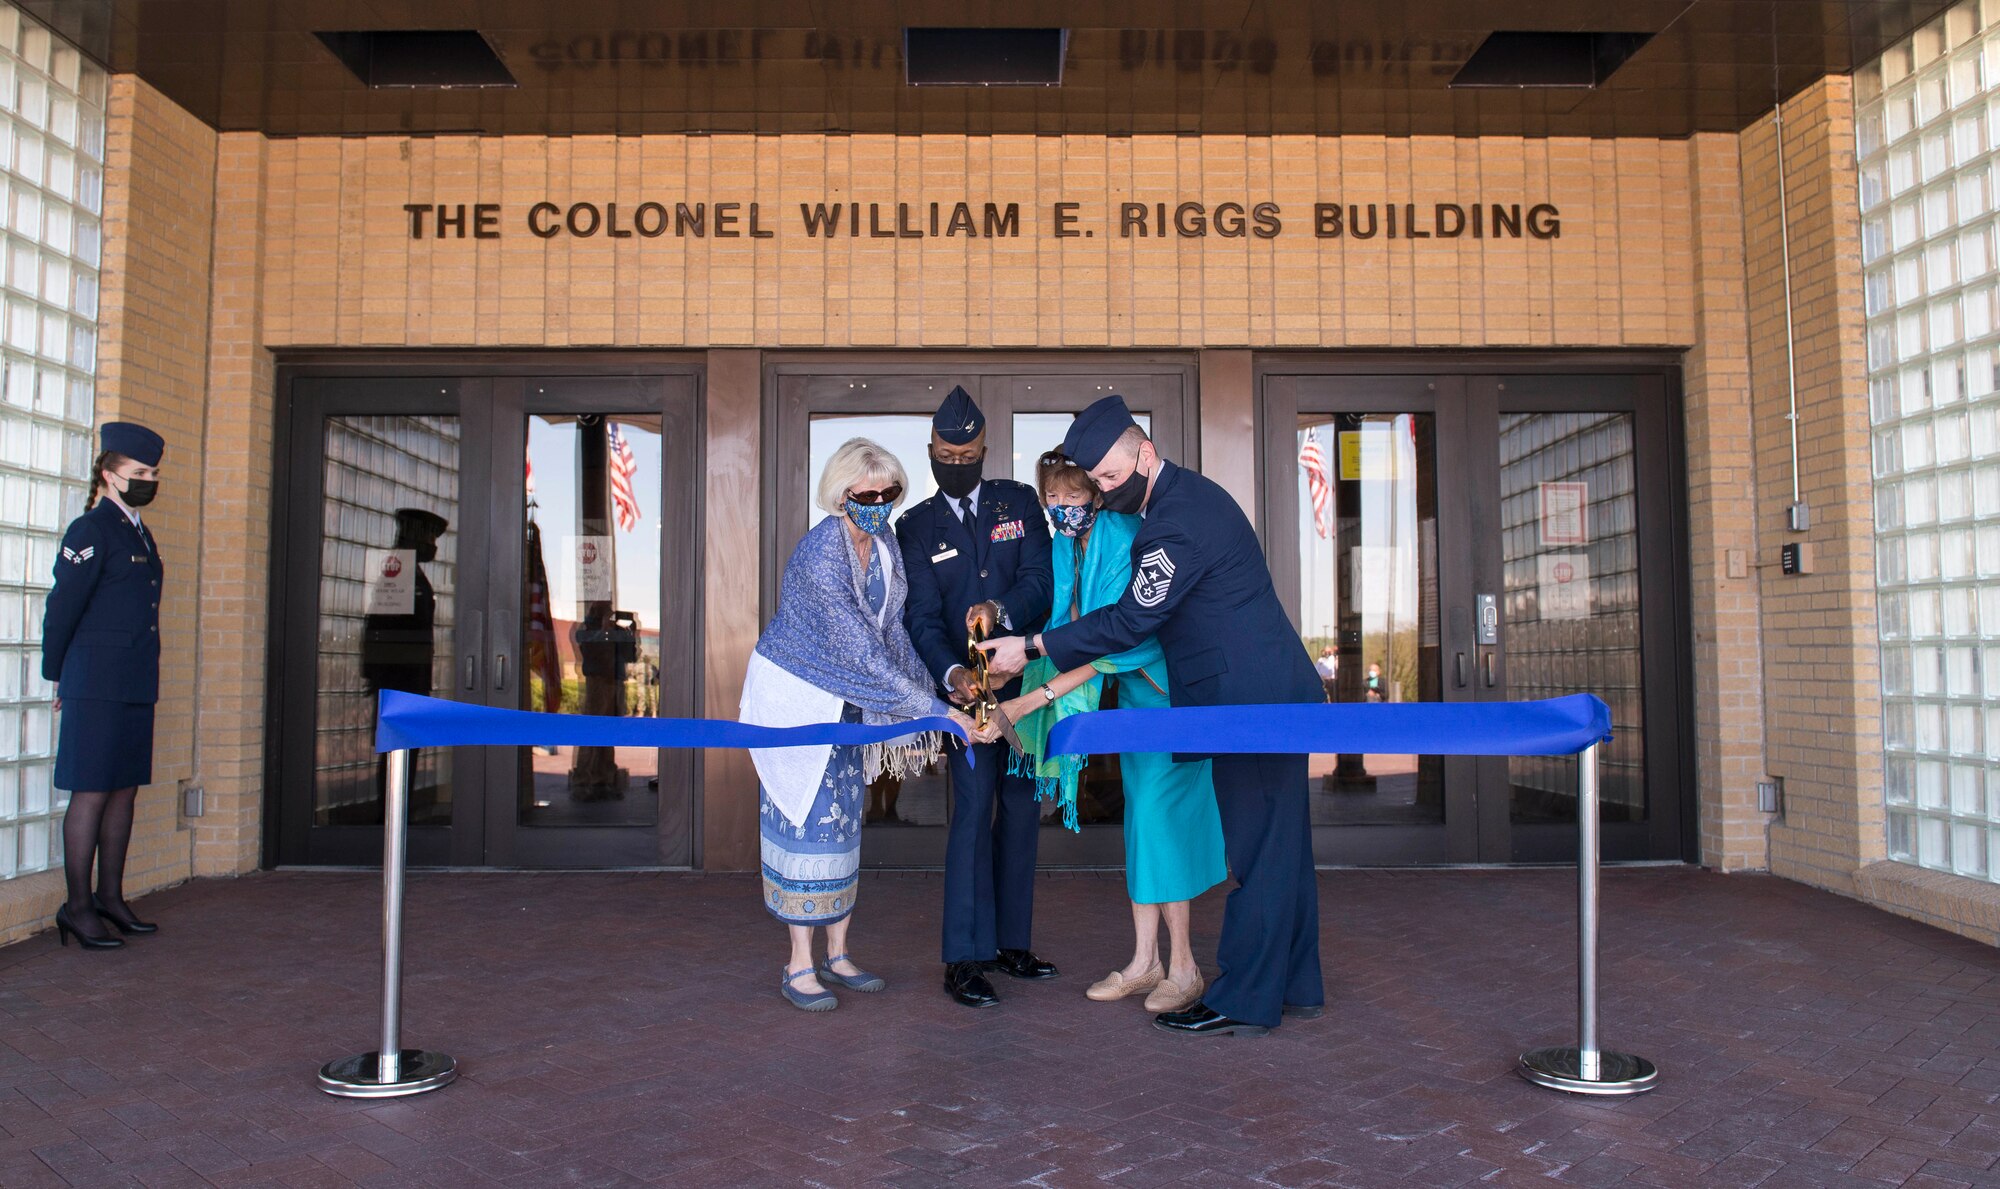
888	495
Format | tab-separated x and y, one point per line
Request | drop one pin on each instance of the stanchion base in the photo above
360	1077
1560	1067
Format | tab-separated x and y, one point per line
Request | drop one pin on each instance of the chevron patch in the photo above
78	558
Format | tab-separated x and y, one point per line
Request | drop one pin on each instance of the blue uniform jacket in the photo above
950	570
101	627
1201	584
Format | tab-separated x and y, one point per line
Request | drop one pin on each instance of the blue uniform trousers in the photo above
1269	951
989	858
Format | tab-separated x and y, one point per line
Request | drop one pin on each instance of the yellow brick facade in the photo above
1663	244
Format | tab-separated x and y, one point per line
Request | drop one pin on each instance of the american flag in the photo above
623	467
1314	464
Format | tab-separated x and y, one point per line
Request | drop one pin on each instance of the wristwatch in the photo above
1048	691
1029	648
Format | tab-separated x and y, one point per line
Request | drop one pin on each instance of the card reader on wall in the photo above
1795	558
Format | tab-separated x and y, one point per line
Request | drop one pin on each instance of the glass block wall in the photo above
51	198
1927	132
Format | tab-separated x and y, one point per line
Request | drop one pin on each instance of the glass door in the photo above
524	542
1482	538
377	596
1027	411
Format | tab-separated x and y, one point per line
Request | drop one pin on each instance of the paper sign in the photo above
1364	453
592	558
392	581
1565	585
1563	508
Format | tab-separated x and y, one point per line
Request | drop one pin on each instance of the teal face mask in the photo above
869	518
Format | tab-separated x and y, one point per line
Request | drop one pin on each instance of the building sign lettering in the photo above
989	220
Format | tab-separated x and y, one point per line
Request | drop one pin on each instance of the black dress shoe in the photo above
1303	1011
1202	1020
1022	964
964	983
127	924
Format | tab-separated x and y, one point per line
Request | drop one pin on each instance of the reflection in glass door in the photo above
498	541
1368	599
1481	538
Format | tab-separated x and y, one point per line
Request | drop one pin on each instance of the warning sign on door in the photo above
1563	519
1565	585
392	582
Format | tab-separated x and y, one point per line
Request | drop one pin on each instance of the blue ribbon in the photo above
1557	726
412	720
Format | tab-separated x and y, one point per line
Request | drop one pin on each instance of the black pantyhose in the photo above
97	825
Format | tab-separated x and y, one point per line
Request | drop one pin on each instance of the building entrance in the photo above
1473	538
506	540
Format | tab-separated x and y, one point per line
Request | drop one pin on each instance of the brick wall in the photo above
159	215
1822	711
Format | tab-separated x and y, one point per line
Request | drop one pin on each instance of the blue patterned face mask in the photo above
1072	520
870	518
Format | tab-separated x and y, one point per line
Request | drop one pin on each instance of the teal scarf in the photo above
1105	572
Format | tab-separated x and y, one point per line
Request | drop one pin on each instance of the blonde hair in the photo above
858	460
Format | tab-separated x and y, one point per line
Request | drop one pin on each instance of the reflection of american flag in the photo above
1314	464
623	467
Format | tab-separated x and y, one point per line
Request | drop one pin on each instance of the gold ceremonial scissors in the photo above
986	706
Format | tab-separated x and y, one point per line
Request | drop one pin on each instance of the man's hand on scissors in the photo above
1006	656
982	618
964	686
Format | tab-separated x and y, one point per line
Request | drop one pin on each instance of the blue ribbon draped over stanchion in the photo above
1557	726
412	720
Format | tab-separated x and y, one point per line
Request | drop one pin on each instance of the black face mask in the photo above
1128	497
139	492
956	479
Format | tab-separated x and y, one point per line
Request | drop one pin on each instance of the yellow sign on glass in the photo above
1364	453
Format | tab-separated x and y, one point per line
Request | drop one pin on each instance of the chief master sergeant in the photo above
1201	584
978	551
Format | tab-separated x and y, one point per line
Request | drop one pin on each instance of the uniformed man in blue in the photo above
101	646
978	551
1201	584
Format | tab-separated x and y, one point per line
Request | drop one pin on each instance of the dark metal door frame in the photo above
1643	384
478	382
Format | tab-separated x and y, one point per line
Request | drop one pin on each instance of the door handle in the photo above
473	623
500	651
1487	661
1458	670
500	671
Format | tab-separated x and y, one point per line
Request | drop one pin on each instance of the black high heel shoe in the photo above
64	929
135	925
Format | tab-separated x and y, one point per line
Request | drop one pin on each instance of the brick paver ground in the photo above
625	1028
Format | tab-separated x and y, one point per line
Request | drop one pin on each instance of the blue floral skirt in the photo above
811	872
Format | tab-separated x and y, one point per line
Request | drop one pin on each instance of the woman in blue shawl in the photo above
1173	831
835	651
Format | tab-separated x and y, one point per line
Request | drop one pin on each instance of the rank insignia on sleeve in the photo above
1155	573
1010	531
78	557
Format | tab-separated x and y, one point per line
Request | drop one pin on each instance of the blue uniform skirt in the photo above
103	746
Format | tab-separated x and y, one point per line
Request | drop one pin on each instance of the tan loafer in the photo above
1115	985
1172	996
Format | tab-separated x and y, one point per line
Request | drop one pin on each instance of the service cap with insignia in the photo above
132	440
958	420
1096	430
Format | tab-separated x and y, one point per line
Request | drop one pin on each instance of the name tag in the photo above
140	558
1010	531
947	555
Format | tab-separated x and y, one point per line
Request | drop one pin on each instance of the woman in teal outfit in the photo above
1173	832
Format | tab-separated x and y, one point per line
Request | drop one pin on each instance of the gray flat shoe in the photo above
863	981
822	1000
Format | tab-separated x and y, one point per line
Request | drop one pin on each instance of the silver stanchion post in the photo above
391	1071
1584	1068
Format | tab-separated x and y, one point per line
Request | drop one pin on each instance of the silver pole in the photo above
391	1071
1586	1069
395	850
